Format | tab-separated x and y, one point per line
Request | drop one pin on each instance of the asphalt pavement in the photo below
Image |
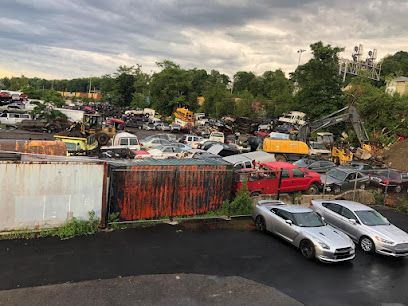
207	249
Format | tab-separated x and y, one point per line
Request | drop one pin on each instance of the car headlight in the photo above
324	245
385	241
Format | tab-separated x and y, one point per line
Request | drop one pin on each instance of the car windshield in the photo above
337	174
162	147
302	163
308	219
317	146
371	218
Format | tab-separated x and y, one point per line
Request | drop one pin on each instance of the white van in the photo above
217	136
12	119
124	140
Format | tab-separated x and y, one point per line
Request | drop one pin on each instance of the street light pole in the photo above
300	51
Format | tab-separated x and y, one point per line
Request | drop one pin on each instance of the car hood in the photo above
311	173
329	180
329	235
390	232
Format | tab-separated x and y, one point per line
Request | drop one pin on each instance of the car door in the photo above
347	226
286	181
299	182
3	118
284	229
349	181
331	213
269	182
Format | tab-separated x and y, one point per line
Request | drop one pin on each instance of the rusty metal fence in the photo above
154	192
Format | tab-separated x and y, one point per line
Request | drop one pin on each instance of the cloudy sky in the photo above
73	38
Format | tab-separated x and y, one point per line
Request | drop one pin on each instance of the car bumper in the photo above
389	250
331	256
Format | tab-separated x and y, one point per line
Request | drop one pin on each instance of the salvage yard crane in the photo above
348	114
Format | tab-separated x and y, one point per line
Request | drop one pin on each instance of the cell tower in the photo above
358	64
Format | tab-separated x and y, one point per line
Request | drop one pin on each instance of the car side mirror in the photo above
289	222
353	221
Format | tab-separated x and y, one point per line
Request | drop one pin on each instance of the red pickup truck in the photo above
266	179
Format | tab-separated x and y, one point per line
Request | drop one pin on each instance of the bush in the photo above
75	227
242	204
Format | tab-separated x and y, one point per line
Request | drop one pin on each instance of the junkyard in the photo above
171	153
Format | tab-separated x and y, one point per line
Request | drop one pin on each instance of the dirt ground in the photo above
396	156
23	135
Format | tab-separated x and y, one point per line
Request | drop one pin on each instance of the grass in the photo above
71	228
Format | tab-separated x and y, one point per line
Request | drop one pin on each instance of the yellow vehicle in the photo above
78	145
285	149
184	117
341	156
92	125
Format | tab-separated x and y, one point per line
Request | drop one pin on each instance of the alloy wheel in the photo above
366	244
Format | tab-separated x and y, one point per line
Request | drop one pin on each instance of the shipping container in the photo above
152	189
36	194
47	147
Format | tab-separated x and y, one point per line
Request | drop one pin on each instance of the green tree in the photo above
319	82
246	81
277	91
170	88
384	116
395	65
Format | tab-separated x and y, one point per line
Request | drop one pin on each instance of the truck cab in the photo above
266	179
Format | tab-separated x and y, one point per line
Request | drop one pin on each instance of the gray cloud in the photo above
71	38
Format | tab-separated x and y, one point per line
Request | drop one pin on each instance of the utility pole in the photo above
300	51
90	84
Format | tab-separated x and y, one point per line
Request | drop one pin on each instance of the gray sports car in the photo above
305	229
365	226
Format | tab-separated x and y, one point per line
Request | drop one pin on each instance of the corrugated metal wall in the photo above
150	192
37	194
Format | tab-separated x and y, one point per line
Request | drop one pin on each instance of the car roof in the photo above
277	165
346	169
294	208
355	206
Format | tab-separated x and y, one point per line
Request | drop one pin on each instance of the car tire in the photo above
260	224
367	244
398	189
307	249
313	189
255	194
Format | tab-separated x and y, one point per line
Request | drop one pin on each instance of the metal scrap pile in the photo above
242	125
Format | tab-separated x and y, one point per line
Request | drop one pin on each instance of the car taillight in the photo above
386	181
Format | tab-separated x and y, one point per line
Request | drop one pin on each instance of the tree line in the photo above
314	87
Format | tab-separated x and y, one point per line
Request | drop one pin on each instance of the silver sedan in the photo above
305	229
367	227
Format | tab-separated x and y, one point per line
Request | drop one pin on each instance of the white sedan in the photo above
166	151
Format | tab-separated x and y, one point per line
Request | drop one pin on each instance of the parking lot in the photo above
210	248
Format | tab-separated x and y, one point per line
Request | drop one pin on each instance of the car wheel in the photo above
255	194
307	249
367	245
398	189
363	186
313	189
260	224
